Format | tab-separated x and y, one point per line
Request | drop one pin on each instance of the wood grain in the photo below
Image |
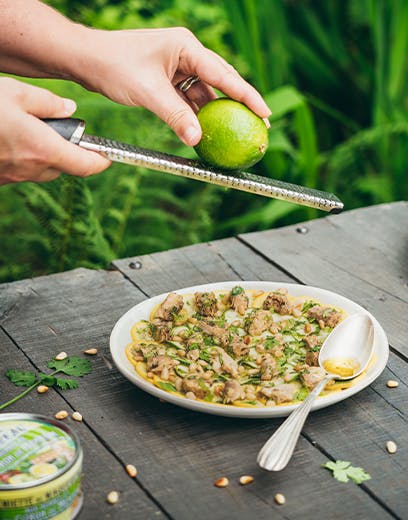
361	254
103	471
180	453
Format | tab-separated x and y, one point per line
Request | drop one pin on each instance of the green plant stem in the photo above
19	396
26	391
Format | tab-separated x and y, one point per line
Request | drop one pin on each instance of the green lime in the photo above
233	136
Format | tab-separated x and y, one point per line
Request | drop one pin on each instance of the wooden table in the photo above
361	254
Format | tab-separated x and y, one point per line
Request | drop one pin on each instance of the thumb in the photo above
176	113
42	103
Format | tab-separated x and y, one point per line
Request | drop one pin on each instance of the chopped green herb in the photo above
308	305
166	386
236	290
343	471
180	370
205	355
301	394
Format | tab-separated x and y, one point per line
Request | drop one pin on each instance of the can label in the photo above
40	471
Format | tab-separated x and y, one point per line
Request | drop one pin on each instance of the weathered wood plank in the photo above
218	261
330	256
102	470
179	453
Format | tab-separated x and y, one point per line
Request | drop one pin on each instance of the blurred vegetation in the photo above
335	76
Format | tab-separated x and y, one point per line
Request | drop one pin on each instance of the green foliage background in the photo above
335	76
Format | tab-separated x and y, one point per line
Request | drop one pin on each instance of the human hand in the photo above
29	149
143	68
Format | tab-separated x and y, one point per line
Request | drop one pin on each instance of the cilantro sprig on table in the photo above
343	471
70	366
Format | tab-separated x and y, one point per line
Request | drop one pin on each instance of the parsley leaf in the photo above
343	471
71	366
236	290
21	377
47	380
66	384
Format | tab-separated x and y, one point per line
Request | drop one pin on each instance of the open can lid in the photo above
34	449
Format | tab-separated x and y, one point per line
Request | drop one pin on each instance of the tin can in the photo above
40	469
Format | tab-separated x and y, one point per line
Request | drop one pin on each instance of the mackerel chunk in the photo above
239	303
171	305
206	303
278	302
284	393
328	315
312	376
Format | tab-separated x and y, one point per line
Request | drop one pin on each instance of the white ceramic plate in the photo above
120	338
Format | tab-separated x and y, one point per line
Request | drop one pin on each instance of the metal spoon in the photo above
352	339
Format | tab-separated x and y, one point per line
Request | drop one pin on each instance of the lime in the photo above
233	136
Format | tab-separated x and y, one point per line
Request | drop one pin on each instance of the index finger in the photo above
215	71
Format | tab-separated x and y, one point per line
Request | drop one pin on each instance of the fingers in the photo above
67	157
199	94
175	112
42	103
70	158
215	71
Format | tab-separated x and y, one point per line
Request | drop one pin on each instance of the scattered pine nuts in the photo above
221	482
131	470
246	479
61	356
391	447
77	416
308	328
112	497
42	389
91	351
63	414
392	384
279	499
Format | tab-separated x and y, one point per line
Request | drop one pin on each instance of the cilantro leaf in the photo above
343	471
358	475
66	384
71	366
47	380
21	377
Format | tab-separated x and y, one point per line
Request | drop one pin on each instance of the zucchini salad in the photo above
235	347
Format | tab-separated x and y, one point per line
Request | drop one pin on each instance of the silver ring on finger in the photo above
187	83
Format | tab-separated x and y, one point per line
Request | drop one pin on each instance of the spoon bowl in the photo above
351	341
346	351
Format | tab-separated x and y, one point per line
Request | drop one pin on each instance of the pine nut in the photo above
308	327
391	447
392	384
245	479
63	414
42	389
280	499
221	482
91	351
112	497
131	470
61	356
77	416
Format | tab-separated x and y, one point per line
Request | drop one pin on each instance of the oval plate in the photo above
120	338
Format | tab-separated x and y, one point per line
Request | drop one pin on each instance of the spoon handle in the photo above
278	450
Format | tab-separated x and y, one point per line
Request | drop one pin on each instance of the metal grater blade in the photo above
193	169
